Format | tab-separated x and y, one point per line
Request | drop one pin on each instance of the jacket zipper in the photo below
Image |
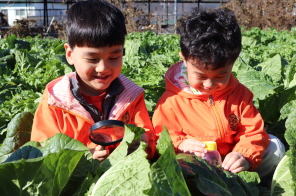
214	108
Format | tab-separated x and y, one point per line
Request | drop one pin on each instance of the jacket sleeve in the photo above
252	139
142	119
45	124
164	116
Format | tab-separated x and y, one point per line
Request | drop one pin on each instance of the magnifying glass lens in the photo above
109	134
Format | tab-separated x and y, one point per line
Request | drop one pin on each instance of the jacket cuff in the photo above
254	163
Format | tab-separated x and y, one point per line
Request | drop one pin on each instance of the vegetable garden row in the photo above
63	166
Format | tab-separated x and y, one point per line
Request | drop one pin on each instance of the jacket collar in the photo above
59	94
114	89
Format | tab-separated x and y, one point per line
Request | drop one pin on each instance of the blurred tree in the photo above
278	14
135	17
3	22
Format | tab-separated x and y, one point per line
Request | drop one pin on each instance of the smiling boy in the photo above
203	101
97	90
96	67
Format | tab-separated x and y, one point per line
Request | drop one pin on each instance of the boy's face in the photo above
207	81
96	67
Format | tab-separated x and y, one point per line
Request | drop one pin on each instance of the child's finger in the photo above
99	147
195	150
199	154
101	154
236	164
198	149
192	146
228	161
196	153
196	143
241	165
239	169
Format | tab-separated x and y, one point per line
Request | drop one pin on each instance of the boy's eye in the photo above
220	76
114	58
92	60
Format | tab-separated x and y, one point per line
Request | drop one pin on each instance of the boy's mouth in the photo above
209	90
101	77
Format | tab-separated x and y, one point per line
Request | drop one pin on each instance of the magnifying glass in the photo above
107	132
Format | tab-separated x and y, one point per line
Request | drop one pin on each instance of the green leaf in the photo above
256	81
205	179
132	47
61	141
273	68
166	174
282	179
131	133
60	165
61	58
52	145
249	41
290	133
127	177
164	142
59	49
11	41
18	133
22	44
44	176
249	181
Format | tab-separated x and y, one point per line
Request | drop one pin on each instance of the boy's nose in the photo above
101	67
209	83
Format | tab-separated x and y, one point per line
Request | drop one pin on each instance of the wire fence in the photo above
163	14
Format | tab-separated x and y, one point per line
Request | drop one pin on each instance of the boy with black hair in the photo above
96	91
203	101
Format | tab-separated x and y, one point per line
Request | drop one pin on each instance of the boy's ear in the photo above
68	53
181	55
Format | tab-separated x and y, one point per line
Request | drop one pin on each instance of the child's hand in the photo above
235	162
193	146
99	153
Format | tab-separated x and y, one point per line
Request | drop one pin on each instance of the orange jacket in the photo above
60	112
230	119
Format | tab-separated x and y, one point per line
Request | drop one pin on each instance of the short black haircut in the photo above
95	23
210	37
